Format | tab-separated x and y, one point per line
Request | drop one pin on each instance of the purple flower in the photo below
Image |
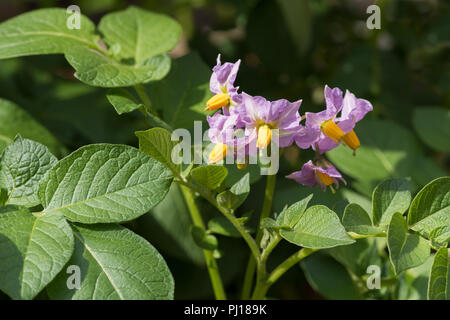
324	175
353	110
225	136
326	131
320	126
222	84
260	117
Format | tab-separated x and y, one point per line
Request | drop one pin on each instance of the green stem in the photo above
228	214
211	263
267	207
262	288
363	236
147	109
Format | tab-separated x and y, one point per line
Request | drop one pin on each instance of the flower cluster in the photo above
260	119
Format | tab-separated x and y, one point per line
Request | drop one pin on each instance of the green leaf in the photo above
43	31
241	189
139	34
318	227
430	208
157	143
413	283
33	250
210	176
14	120
328	278
203	239
161	66
439	283
387	150
290	216
406	250
23	165
104	183
222	226
440	237
269	223
3	196
115	263
227	199
389	197
122	100
94	68
182	94
356	219
431	124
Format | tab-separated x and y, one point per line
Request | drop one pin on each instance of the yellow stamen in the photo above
218	101
218	153
351	140
324	178
264	136
242	166
332	131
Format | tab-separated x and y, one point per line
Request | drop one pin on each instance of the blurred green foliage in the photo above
289	49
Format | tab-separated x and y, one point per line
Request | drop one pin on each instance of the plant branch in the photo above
262	288
211	262
267	207
227	213
363	236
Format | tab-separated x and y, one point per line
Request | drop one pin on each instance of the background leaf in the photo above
324	274
14	120
431	124
387	151
115	264
33	250
167	226
223	226
104	183
182	94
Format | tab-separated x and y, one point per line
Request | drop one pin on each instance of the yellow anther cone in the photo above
351	140
332	131
218	153
324	178
218	101
264	136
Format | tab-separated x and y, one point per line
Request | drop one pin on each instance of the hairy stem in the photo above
147	109
262	288
211	262
251	265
